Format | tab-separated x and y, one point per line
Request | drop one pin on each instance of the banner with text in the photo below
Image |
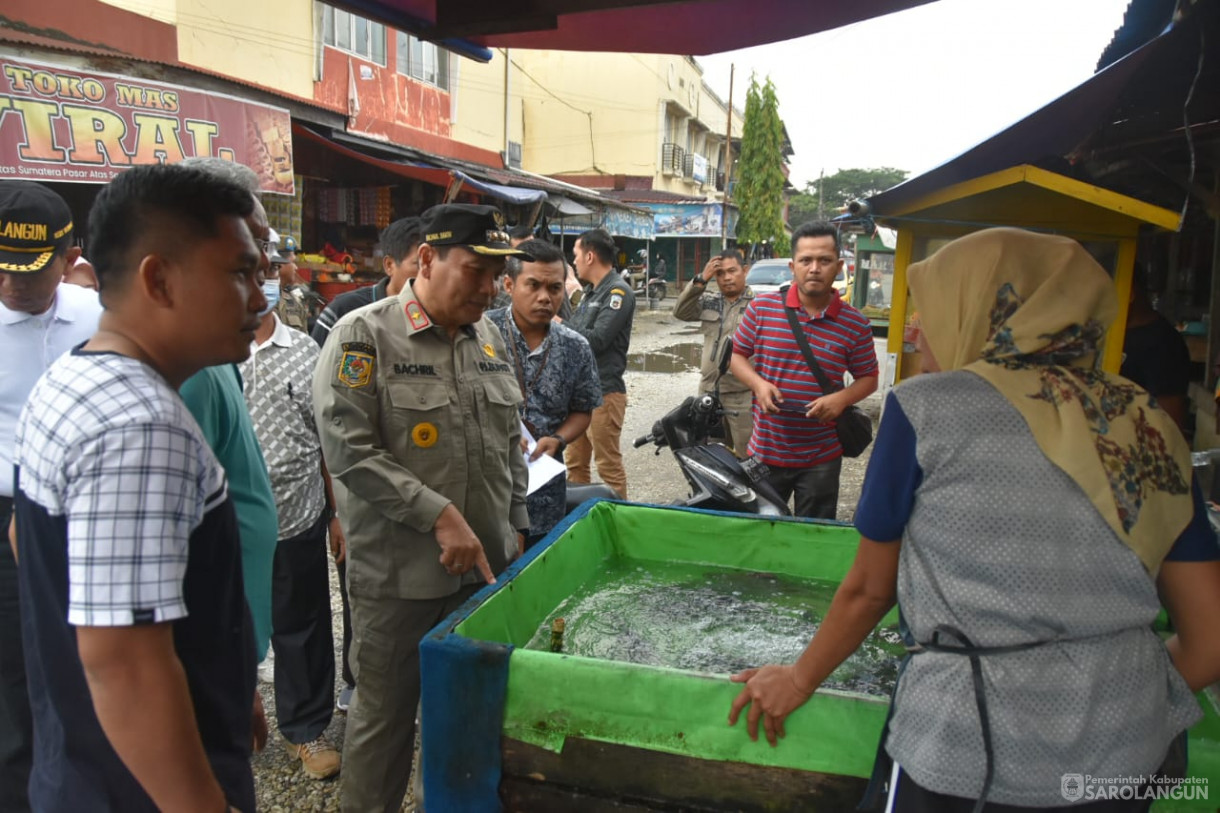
58	124
691	219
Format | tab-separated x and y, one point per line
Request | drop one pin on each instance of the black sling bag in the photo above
854	428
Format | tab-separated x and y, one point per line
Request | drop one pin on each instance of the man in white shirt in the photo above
40	319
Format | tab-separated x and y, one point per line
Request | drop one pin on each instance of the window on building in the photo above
356	35
425	61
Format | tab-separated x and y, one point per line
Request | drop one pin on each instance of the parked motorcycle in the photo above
718	479
654	288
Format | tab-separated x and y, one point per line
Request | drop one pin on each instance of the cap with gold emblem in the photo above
478	228
34	222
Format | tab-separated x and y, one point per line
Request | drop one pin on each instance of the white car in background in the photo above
767	276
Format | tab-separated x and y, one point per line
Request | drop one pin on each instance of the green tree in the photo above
803	207
759	189
847	185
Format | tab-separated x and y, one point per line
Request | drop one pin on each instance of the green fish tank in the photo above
595	674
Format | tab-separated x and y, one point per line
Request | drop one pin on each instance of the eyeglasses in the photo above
264	246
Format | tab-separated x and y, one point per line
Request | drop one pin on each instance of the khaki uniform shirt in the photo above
411	422
293	308
718	320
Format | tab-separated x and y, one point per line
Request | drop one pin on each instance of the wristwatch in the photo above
563	444
700	281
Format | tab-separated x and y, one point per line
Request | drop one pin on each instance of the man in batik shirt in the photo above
554	367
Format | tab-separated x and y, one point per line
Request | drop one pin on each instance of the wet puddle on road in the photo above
676	358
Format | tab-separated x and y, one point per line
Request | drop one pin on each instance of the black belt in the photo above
966	647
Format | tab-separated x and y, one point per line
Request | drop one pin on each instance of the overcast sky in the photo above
914	89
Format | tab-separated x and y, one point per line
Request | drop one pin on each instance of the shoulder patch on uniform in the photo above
416	316
616	300
356	364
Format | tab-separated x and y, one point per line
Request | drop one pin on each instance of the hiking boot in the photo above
318	757
345	698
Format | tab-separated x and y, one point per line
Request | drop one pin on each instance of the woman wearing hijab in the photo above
1024	509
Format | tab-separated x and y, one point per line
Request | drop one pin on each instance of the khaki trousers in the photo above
737	428
380	739
601	442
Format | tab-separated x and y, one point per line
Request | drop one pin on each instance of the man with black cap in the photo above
40	318
416	402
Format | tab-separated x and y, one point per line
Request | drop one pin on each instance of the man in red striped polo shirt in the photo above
794	431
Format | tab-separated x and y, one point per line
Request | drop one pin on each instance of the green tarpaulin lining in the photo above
552	697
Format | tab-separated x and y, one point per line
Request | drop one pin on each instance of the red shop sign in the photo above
58	124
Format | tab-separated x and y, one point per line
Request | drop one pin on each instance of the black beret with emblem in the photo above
34	222
478	228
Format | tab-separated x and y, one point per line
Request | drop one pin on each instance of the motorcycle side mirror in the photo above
726	355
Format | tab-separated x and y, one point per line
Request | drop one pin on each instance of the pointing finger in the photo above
484	567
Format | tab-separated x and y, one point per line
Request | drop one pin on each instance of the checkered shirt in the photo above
277	381
106	444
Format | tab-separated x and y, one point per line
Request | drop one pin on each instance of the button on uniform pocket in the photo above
421	420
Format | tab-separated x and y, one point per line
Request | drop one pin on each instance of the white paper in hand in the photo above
544	469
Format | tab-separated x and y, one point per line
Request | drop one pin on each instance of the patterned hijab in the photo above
1028	312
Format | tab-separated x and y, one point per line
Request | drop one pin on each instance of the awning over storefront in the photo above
417	170
566	207
643	26
510	194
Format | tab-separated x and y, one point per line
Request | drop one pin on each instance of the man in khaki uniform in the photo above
416	401
719	314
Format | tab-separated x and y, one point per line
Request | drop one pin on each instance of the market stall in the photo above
1106	223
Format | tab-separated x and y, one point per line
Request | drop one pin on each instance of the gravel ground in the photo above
663	371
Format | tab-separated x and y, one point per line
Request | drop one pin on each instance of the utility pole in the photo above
727	164
821	211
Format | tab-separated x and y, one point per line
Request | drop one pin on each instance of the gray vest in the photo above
1004	546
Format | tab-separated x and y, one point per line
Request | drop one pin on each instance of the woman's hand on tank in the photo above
772	693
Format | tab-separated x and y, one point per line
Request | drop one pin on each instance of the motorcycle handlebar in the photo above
643	440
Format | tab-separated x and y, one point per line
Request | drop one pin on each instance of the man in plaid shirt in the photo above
139	644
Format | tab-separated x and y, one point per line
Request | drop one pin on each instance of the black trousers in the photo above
912	798
816	487
301	635
16	726
348	677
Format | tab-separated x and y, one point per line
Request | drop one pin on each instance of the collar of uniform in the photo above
611	280
793	300
414	313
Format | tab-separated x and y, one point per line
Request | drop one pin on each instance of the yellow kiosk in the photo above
1025	196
